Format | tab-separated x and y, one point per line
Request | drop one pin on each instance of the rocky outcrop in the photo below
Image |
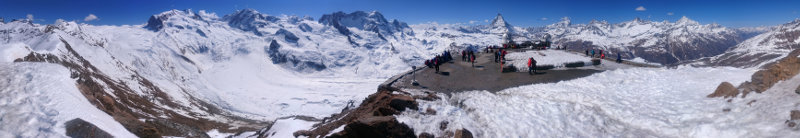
797	90
782	70
794	119
77	128
463	133
725	90
373	118
154	114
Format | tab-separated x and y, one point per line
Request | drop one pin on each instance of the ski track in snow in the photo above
36	99
637	102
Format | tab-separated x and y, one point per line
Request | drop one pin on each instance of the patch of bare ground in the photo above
149	115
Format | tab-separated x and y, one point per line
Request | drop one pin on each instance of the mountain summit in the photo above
500	26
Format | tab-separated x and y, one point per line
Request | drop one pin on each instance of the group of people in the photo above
602	55
439	60
531	66
599	53
500	55
468	56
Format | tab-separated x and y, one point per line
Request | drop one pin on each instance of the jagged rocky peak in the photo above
247	16
686	21
369	21
156	22
178	18
499	21
249	20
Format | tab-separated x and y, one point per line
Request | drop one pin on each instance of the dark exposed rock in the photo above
430	111
375	127
128	107
425	135
427	97
794	119
443	125
797	90
373	118
400	103
77	128
463	133
782	70
725	90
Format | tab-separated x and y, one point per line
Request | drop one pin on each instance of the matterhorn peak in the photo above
685	20
499	21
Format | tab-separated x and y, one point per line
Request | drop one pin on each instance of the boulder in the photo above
375	127
77	128
797	90
401	102
463	133
725	90
426	135
443	125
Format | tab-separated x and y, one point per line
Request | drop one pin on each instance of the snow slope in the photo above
251	65
545	57
36	99
636	102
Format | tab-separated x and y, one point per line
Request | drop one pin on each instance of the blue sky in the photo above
732	13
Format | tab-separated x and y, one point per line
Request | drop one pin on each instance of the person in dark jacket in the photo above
619	58
531	66
436	63
587	52
463	55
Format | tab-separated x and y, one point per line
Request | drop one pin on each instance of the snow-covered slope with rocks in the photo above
663	42
759	50
196	71
635	102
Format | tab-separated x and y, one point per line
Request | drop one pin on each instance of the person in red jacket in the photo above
531	66
472	59
504	55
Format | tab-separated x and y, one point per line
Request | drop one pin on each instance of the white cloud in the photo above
640	8
472	21
543	18
30	17
670	13
487	20
91	17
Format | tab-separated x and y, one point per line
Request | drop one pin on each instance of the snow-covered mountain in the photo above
759	50
185	73
663	42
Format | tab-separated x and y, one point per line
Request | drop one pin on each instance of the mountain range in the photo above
180	68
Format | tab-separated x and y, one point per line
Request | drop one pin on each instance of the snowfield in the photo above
36	99
636	102
545	57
